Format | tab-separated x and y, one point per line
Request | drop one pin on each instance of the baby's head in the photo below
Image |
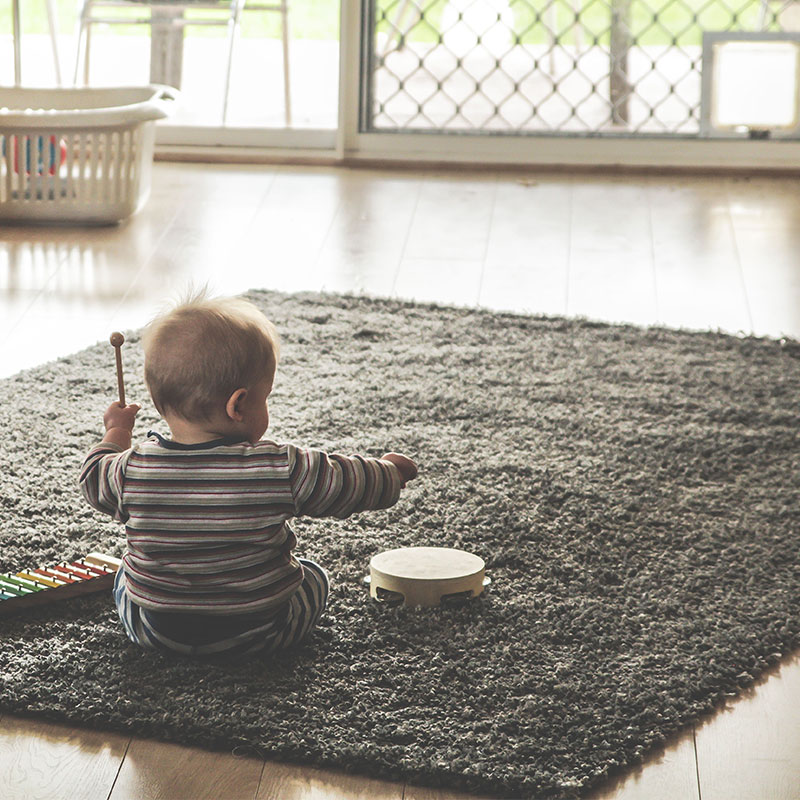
201	353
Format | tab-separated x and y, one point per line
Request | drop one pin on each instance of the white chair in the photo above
170	15
52	21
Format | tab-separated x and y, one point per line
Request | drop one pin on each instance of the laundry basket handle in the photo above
165	92
163	99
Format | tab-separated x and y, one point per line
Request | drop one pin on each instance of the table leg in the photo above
621	43
166	47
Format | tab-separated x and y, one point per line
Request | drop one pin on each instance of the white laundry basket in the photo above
80	154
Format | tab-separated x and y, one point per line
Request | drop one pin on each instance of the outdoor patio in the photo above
256	95
459	83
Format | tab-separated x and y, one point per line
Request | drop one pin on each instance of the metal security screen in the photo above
547	66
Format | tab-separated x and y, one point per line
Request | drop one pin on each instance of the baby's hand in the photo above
119	416
406	467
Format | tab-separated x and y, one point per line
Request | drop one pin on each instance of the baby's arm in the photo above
326	485
103	468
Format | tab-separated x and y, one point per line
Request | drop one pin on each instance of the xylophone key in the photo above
81	575
39	579
14	591
101	560
53	573
91	568
50	575
30	586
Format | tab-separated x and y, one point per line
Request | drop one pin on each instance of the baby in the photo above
210	568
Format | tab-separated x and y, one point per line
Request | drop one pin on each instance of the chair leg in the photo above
234	23
87	41
81	29
82	47
52	21
17	43
84	27
287	97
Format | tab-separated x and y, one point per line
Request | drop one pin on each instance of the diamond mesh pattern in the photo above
559	66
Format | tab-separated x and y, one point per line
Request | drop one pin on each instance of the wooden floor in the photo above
692	252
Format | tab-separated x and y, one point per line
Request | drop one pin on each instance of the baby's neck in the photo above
185	432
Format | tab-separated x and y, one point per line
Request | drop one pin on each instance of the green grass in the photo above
655	22
308	19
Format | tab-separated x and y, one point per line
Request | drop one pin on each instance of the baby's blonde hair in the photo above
204	349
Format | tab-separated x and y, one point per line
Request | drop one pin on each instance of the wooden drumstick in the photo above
117	340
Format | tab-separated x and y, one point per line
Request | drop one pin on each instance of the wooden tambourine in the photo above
425	576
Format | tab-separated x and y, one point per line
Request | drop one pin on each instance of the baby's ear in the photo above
233	408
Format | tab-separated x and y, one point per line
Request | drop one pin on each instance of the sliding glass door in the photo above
498	81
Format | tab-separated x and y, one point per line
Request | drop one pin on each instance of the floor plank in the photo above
698	275
424	793
160	771
772	282
751	750
617	286
610	213
42	760
669	774
452	218
366	239
427	280
527	254
291	782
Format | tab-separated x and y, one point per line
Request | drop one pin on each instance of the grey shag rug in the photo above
634	492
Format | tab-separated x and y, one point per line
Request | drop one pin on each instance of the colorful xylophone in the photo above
35	587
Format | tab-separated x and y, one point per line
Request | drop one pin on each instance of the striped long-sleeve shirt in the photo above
206	524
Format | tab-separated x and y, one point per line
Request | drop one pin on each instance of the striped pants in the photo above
287	628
